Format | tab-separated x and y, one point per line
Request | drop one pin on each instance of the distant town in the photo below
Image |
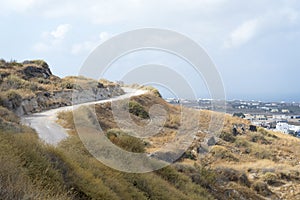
277	116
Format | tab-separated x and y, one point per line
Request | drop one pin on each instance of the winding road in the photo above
45	123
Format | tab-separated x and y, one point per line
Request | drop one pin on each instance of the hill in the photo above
245	163
30	87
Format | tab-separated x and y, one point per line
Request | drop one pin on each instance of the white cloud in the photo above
52	39
116	11
88	46
263	25
60	32
243	33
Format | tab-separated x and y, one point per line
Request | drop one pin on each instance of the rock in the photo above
243	179
252	128
34	71
47	100
211	141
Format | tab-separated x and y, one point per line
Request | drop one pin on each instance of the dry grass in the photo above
243	164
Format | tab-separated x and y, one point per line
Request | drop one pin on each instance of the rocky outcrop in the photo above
35	69
30	87
55	99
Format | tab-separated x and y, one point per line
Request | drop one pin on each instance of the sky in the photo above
255	44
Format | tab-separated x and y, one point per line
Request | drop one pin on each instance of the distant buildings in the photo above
285	111
287	128
280	123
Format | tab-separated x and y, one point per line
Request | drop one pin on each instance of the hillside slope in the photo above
30	87
243	164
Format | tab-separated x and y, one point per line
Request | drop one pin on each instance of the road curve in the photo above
50	131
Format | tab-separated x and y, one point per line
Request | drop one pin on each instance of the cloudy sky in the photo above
254	44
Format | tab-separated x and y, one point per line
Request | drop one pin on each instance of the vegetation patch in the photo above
126	141
223	153
138	110
228	137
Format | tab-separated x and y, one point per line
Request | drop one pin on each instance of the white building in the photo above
287	128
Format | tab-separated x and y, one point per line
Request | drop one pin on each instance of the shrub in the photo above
270	178
204	177
14	63
7	115
152	89
14	82
11	99
259	138
43	81
67	85
138	110
266	133
67	119
173	121
125	141
261	188
181	182
228	137
189	155
260	152
40	63
241	142
223	153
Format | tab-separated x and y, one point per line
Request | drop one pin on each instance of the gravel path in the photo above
50	131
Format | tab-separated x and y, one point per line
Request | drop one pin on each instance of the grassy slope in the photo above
30	169
257	165
253	165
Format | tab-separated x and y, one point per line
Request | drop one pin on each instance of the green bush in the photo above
138	110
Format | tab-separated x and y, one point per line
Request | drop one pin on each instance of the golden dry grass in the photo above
250	155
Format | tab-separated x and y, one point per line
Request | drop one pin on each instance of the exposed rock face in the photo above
35	69
32	71
30	87
47	100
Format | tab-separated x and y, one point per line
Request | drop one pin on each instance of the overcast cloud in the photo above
255	44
